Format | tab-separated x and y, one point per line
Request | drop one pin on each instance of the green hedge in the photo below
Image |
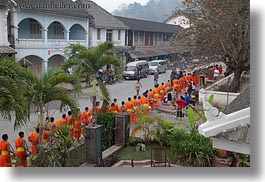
108	131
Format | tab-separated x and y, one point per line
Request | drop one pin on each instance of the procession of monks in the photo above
148	101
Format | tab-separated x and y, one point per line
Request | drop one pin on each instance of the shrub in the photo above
108	131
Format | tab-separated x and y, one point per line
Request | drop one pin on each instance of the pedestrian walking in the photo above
138	86
156	77
6	151
21	150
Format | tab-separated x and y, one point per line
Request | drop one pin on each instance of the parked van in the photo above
158	65
132	68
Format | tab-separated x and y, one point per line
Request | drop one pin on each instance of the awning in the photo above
7	50
144	52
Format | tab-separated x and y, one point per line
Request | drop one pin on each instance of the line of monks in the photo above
148	101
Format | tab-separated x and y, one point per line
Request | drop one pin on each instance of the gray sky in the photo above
111	5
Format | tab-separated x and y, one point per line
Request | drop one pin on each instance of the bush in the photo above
108	131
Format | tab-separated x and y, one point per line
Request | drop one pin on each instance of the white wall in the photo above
180	20
94	42
3	28
46	19
221	99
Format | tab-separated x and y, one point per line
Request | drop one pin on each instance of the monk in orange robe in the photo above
116	106
34	139
77	127
21	148
151	100
129	109
156	96
167	86
6	150
161	90
69	118
122	108
145	103
85	117
62	121
113	108
135	107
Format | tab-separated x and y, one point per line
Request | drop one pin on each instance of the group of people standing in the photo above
22	151
7	151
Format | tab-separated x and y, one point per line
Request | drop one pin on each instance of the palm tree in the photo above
89	62
12	91
49	87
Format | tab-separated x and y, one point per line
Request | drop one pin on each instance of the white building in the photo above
104	26
4	44
40	35
40	31
178	20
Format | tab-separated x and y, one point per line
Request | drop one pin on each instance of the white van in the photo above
132	68
157	65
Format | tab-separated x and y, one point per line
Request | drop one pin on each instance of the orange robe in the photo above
5	160
175	84
85	116
68	120
116	107
21	153
129	110
135	107
196	80
60	122
34	139
151	101
145	104
168	87
161	89
77	128
156	96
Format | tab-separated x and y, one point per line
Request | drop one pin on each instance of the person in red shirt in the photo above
181	104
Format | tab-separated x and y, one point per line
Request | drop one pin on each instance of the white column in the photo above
67	35
87	39
14	25
45	65
45	36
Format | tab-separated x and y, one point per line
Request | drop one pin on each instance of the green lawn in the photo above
130	151
77	156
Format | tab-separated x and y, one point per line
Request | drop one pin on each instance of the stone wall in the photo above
109	156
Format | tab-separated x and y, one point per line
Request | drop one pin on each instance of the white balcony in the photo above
29	43
51	43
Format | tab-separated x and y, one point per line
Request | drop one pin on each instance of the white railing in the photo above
81	42
40	43
57	42
22	43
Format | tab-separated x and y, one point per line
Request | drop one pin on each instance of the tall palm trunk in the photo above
94	120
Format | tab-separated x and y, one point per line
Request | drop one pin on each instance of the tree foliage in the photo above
13	90
218	29
89	62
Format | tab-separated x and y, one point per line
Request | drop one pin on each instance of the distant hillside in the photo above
154	10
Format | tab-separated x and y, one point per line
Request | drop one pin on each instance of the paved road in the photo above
121	91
